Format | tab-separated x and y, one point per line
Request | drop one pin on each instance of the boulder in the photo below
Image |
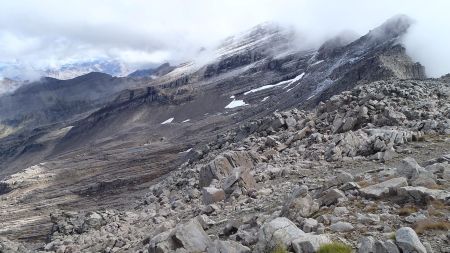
422	195
247	237
331	197
192	237
309	225
205	221
424	180
279	231
366	245
216	169
349	186
409	168
223	165
162	243
309	243
384	188
93	221
302	133
385	247
368	218
239	177
333	153
342	177
393	117
219	246
349	124
299	204
277	123
408	241
212	195
341	226
340	210
291	123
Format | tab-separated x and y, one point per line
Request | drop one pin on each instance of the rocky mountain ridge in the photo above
302	179
259	148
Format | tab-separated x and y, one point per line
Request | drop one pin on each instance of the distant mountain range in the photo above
69	71
22	71
7	85
13	75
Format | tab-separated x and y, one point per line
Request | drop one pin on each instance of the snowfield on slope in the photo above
235	103
269	86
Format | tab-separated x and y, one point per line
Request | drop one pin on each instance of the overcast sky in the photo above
44	33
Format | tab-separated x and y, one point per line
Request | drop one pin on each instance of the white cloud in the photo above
53	32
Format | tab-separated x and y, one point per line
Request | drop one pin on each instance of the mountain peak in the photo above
392	28
151	72
264	36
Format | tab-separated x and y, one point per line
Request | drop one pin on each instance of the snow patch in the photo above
264	99
317	62
187	120
186	151
232	97
295	79
167	121
262	88
286	82
235	103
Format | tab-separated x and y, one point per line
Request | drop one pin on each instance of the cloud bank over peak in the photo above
53	33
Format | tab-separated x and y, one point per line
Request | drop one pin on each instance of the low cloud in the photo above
49	33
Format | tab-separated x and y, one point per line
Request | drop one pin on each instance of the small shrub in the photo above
407	210
335	247
439	204
364	183
371	209
319	213
426	225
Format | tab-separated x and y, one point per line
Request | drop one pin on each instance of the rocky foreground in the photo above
368	168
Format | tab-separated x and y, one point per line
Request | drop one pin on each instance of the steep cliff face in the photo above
51	100
101	122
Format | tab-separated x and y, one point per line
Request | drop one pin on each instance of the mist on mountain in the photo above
29	35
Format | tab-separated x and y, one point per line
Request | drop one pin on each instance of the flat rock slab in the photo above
419	194
384	188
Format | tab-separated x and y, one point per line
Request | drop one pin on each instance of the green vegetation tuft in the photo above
280	249
335	247
392	237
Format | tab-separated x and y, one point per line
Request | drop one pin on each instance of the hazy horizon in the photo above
140	33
